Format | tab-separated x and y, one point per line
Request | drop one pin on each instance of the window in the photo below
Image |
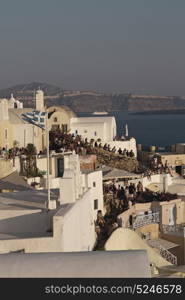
95	133
55	120
76	131
94	184
6	134
64	128
96	204
85	131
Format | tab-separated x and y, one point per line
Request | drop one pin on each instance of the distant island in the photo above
93	101
100	113
160	112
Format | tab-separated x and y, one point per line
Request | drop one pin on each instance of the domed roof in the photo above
61	108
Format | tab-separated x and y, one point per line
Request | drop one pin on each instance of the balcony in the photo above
142	220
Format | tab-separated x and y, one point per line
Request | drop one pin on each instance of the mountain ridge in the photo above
90	101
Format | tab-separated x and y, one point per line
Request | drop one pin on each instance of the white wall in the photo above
128	145
4	109
73	224
87	130
39	100
156	179
95	178
78	231
27	133
25	221
105	127
41	162
73	229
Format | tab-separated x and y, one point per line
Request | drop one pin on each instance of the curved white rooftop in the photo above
127	239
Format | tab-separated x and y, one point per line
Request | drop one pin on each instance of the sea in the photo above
161	130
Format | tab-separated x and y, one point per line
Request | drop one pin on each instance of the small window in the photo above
64	128
95	133
94	184
76	131
96	204
6	134
85	131
55	120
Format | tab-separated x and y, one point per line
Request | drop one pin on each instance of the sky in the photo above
112	46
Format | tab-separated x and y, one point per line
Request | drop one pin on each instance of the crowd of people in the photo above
63	142
117	200
70	142
157	167
121	198
12	152
107	147
104	226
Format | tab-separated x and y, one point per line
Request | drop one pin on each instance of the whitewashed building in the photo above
27	226
103	128
13	103
60	117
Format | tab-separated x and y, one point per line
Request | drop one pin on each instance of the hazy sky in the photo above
105	45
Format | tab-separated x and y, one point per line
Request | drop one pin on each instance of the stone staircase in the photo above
163	251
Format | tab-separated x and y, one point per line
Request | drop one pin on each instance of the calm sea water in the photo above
160	130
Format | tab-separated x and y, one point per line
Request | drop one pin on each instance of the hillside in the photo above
25	92
90	101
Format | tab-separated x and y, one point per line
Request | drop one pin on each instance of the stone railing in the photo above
143	220
163	251
178	228
168	255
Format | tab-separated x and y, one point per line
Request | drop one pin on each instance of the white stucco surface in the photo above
127	144
103	128
97	264
162	181
94	182
77	232
68	228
